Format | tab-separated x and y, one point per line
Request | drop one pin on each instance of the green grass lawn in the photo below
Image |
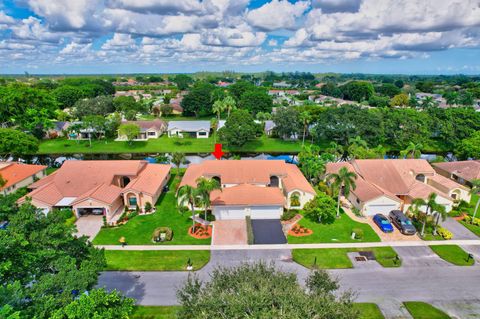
473	228
164	144
338	232
453	254
155	260
330	258
368	310
155	312
139	230
423	310
50	170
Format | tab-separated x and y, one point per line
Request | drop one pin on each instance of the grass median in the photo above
423	310
453	254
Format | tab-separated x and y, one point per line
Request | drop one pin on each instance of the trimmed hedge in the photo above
445	233
289	214
162	230
358	233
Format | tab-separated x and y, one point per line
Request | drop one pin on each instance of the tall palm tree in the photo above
177	160
431	207
475	190
188	195
230	104
344	180
204	187
305	117
440	212
428	102
413	150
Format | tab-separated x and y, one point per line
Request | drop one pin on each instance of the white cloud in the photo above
5	19
273	43
119	41
277	14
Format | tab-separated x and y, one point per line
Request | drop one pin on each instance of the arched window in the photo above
124	181
420	178
295	199
274	181
218	179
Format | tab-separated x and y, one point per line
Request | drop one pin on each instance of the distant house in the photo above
100	187
386	185
282	93
18	175
463	172
148	130
58	130
269	126
281	84
198	129
223	84
82	133
176	105
437	98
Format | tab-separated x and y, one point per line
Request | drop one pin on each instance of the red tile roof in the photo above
246	194
17	172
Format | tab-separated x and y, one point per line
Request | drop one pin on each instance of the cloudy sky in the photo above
120	36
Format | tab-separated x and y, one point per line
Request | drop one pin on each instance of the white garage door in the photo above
371	210
266	212
222	213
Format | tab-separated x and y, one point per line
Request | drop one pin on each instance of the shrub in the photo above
148	207
250	237
162	230
289	214
476	221
104	219
183	209
358	233
133	214
356	211
445	233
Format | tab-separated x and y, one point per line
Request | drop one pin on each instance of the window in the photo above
151	133
420	178
132	201
454	196
202	133
295	199
274	181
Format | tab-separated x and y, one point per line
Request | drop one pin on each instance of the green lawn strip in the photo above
331	258
155	260
368	310
155	312
473	228
339	231
423	310
453	254
139	230
164	144
50	170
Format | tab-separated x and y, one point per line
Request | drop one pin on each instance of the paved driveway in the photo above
396	235
268	231
421	256
229	232
89	225
458	230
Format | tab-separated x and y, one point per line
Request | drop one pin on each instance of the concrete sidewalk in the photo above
475	242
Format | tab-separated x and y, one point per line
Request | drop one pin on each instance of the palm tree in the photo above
230	104
413	150
428	101
440	212
177	160
431	206
187	195
357	141
344	180
218	107
475	190
305	117
204	187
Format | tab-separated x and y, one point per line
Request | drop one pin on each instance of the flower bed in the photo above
300	231
201	231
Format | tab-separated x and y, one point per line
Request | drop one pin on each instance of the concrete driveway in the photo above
229	232
421	256
458	230
396	235
268	231
89	226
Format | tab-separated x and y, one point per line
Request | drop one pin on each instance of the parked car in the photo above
383	223
402	222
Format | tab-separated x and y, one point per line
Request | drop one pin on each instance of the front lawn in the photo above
139	230
164	144
453	254
155	312
339	231
331	258
368	310
155	260
423	310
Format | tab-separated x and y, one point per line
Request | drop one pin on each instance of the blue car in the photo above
383	223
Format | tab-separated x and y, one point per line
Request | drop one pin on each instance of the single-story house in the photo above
198	129
462	172
261	189
269	126
148	129
385	185
58	130
77	132
100	187
18	175
176	105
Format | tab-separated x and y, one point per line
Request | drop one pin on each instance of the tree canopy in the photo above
239	128
198	101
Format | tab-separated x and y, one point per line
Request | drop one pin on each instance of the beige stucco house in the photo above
261	189
100	187
148	130
18	175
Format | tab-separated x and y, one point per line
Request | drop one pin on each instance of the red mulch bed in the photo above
300	231
201	231
461	217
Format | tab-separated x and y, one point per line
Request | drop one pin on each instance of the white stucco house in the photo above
197	129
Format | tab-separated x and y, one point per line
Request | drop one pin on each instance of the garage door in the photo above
266	212
371	210
222	213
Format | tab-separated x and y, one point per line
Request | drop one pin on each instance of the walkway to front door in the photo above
229	232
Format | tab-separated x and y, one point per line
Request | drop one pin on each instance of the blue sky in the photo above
129	36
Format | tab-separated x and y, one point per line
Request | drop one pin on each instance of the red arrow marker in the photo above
218	151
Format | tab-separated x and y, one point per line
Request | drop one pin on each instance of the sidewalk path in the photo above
475	242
